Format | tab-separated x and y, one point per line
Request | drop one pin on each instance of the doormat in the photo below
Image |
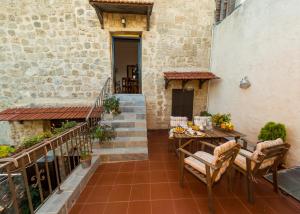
288	181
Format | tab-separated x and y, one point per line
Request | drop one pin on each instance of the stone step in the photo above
131	103
123	154
125	123
130	97
131	132
122	142
130	116
134	109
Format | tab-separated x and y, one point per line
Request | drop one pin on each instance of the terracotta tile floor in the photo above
151	187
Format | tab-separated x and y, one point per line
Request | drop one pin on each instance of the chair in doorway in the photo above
125	86
207	167
267	156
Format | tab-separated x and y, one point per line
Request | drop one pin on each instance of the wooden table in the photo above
216	134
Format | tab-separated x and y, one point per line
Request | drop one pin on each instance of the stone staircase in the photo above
131	131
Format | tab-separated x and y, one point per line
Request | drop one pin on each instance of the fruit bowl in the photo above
179	130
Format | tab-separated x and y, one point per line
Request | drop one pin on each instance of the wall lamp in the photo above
245	83
123	21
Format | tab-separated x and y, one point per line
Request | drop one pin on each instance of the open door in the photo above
127	65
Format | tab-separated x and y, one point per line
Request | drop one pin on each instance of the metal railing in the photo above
28	178
223	9
96	111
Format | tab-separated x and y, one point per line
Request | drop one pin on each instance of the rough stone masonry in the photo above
54	53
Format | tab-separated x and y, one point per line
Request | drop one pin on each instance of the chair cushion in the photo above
241	160
178	121
199	166
219	150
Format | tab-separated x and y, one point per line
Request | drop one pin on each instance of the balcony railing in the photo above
30	177
223	9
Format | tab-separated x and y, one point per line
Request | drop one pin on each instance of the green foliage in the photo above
64	126
272	131
30	141
218	119
112	104
205	114
6	151
104	133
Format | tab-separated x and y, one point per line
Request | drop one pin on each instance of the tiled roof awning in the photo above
142	7
186	76
18	114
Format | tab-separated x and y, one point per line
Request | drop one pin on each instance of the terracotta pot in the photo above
86	162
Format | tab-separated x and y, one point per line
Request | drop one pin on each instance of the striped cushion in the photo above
178	121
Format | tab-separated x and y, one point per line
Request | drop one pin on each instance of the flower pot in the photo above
85	163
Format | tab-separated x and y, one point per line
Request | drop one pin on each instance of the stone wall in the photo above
54	52
19	131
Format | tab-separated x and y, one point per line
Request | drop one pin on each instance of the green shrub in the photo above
112	104
104	133
6	150
272	131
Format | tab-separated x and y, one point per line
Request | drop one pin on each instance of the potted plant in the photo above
272	131
104	133
85	159
111	105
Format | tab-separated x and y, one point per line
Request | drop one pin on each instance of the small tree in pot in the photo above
85	159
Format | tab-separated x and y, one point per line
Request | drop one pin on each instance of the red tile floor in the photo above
151	187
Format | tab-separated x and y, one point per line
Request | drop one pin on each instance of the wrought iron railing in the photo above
95	113
223	9
28	178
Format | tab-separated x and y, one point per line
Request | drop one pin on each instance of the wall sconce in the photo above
245	83
123	21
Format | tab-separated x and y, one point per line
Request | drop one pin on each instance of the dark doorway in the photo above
182	103
126	65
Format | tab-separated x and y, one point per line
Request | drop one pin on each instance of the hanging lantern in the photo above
245	83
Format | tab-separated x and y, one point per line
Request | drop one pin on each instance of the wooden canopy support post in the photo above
201	82
100	16
148	17
184	82
166	83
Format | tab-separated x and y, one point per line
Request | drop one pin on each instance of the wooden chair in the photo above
267	156
206	167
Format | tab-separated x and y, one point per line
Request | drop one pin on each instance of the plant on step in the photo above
64	126
6	150
272	131
30	141
104	133
112	105
219	119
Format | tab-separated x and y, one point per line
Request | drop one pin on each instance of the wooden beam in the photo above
166	83
184	82
148	17
201	82
100	16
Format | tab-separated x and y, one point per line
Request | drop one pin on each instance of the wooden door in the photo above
182	103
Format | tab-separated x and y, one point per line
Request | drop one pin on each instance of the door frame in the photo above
129	36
